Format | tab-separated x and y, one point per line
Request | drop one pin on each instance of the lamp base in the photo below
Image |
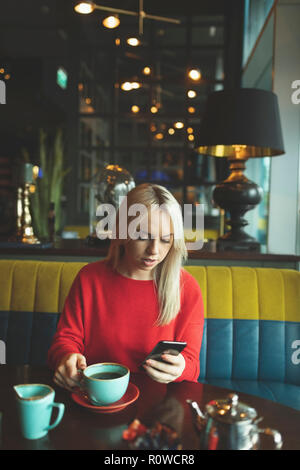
237	195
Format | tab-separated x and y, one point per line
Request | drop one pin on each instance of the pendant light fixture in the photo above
87	7
111	21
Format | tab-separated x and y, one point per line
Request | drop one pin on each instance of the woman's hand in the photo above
165	372
66	374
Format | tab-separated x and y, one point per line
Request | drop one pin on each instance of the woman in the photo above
119	308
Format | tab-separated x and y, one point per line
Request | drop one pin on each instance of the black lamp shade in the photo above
245	117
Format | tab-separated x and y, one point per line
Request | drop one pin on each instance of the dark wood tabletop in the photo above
83	429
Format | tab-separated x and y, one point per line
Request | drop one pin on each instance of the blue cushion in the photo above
252	356
27	336
286	394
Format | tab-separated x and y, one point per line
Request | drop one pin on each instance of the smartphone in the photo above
167	347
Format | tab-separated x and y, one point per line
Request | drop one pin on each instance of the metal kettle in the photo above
229	424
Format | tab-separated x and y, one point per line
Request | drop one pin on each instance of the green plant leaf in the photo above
49	188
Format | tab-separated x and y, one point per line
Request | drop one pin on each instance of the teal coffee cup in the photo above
35	403
105	383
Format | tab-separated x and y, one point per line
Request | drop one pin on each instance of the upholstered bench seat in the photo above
251	340
252	330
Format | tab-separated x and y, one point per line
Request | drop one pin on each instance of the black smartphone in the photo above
167	347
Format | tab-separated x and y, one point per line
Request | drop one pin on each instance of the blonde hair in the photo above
167	273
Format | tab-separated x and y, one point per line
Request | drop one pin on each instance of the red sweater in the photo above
108	317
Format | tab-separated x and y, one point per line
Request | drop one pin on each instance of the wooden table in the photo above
82	429
78	250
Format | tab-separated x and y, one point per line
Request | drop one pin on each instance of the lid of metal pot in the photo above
230	410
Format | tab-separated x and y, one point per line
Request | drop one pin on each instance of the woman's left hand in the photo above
165	372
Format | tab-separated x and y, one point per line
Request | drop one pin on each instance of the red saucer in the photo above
130	396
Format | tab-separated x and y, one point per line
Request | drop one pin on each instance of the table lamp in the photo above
239	124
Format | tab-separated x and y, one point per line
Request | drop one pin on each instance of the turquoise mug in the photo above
35	403
105	383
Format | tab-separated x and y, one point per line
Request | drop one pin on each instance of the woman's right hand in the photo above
66	374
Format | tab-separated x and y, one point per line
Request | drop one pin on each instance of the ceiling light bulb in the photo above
191	94
171	131
190	130
179	125
159	136
84	8
135	108
2	70
133	42
111	22
195	74
191	137
146	70
154	109
135	85
126	86
191	109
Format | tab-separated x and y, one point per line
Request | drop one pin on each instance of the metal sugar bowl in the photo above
229	424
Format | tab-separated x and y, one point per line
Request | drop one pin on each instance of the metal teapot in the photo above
231	425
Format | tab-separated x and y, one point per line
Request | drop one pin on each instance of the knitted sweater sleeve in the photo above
69	336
